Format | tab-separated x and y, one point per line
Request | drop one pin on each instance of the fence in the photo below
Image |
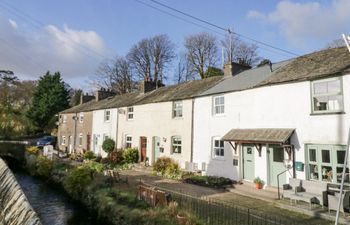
214	212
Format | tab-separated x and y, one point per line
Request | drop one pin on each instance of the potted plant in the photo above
259	183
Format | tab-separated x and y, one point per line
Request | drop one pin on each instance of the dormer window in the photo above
327	95
107	115
177	109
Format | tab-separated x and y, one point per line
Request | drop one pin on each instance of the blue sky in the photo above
44	35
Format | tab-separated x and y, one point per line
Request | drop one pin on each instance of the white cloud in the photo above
75	53
302	22
13	23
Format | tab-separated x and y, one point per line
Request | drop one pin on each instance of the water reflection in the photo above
52	205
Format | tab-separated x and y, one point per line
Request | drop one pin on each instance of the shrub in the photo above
161	164
108	145
44	166
33	150
209	181
116	156
96	167
131	155
89	155
173	171
77	180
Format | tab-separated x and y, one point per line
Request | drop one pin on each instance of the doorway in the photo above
156	147
248	162
276	164
143	145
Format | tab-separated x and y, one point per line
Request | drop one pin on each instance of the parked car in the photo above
46	140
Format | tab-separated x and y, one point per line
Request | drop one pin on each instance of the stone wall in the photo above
14	206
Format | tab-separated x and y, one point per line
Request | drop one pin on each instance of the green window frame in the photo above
325	163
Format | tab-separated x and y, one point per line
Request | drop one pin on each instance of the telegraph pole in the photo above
347	42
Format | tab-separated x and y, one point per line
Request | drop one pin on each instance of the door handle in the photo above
249	160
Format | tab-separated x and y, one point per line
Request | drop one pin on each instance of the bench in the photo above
333	198
313	192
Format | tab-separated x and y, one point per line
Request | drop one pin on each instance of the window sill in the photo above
178	118
219	158
219	115
326	113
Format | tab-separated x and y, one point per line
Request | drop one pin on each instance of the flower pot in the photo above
258	185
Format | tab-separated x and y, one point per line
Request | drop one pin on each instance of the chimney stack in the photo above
233	68
103	94
149	85
85	98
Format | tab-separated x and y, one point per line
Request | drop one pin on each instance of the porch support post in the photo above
234	146
258	147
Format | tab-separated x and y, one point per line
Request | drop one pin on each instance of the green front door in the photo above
248	162
276	165
156	145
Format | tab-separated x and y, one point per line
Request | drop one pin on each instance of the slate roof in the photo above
182	91
321	64
262	135
245	79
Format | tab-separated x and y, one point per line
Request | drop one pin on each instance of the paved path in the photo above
240	195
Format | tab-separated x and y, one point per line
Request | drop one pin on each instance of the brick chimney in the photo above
149	85
233	68
103	94
85	98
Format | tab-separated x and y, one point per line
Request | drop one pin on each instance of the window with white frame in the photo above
128	141
130	113
63	140
80	139
218	105
327	95
81	117
218	147
64	119
107	115
176	145
177	109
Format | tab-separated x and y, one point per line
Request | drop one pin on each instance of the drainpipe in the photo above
116	137
75	132
192	125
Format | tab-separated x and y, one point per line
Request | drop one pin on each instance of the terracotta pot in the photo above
258	185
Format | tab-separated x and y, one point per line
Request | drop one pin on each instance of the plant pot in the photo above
258	185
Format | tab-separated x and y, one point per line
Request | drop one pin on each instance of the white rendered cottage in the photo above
252	124
159	123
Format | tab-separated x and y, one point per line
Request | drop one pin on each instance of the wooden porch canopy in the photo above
258	136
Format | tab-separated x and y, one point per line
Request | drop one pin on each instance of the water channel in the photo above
53	206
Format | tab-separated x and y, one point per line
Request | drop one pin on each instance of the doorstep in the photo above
269	194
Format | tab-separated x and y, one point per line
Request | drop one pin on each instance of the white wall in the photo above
156	120
277	106
100	127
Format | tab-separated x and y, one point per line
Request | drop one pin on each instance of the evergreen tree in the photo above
50	97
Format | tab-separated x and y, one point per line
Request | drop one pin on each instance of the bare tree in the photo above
184	71
239	51
151	56
335	44
115	75
202	52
